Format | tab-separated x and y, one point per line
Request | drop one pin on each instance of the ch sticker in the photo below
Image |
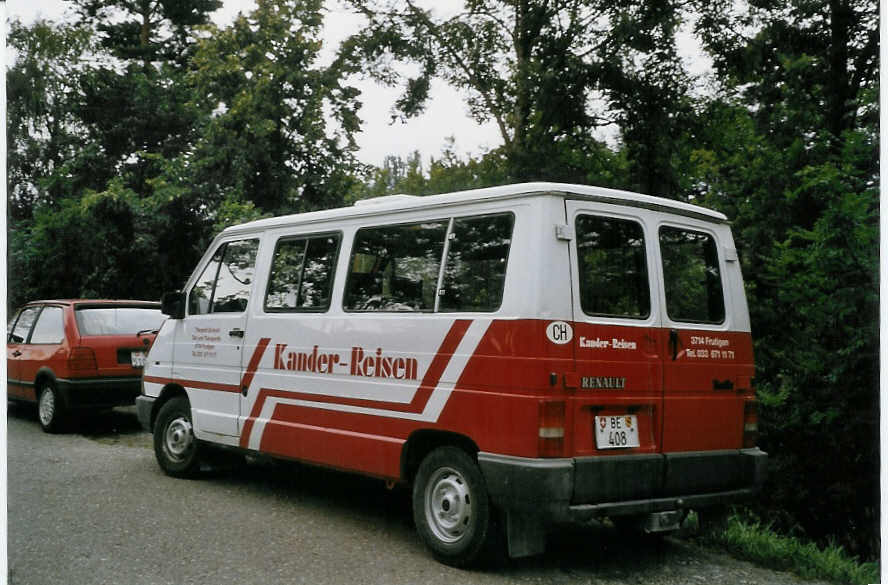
559	332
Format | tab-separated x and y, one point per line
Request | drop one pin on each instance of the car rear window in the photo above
117	320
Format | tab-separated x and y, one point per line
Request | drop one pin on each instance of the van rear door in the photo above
617	401
707	362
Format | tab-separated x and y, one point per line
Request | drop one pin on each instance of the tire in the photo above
451	508
50	408
176	449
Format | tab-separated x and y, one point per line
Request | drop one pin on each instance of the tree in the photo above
137	100
530	66
147	30
791	155
42	132
268	141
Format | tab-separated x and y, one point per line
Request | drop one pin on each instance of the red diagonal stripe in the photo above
254	362
420	399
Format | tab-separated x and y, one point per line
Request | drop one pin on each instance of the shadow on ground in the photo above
598	548
116	422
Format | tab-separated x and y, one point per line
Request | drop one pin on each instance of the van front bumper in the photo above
576	490
144	406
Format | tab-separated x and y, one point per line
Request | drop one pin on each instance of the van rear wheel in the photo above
176	449
451	507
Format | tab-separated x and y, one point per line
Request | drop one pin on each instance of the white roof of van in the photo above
390	203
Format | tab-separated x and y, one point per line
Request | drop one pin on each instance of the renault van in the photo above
525	357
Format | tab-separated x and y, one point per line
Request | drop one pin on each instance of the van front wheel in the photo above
450	506
176	449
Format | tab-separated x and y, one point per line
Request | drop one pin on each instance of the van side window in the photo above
50	327
612	267
302	274
224	285
475	274
691	275
395	268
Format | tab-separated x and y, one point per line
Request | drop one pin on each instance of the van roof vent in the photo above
386	199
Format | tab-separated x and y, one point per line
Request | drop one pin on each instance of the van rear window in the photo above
691	276
612	267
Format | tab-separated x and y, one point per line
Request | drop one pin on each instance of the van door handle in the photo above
16	353
673	343
236	333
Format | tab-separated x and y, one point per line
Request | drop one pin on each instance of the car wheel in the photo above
50	409
176	449
450	506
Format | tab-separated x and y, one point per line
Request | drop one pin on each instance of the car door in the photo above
45	347
210	340
18	333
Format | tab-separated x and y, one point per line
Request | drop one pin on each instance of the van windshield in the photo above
118	320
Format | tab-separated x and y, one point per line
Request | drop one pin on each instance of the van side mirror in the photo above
172	304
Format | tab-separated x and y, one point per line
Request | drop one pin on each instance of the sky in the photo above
445	116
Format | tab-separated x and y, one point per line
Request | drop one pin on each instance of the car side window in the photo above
23	325
691	276
50	328
224	285
11	323
302	274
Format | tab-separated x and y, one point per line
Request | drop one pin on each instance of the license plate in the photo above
138	359
619	431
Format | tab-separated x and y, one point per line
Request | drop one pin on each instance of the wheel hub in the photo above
46	409
178	438
448	505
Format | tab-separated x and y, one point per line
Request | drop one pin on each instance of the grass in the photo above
753	541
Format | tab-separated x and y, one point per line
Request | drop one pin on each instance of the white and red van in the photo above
525	356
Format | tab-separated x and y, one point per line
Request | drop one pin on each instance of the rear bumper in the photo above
99	392
576	490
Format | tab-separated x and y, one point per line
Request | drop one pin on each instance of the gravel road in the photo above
92	507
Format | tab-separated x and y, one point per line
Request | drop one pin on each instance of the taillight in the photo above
82	358
750	423
551	428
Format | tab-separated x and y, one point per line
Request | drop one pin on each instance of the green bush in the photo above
748	538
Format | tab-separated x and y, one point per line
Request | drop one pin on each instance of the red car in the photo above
69	355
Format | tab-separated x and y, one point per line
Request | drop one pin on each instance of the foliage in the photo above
798	174
530	66
42	132
147	30
748	538
128	153
267	140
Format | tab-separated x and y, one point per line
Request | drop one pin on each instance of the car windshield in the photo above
118	320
